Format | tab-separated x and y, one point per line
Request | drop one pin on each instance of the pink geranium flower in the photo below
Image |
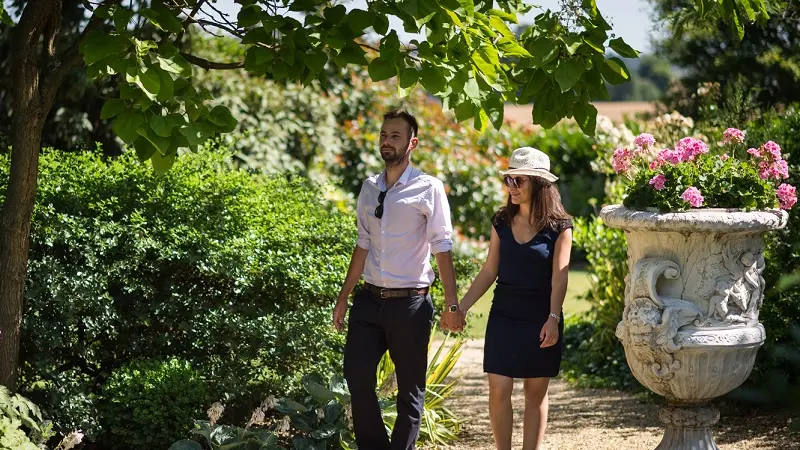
690	148
733	136
622	160
773	149
658	181
644	140
693	197
787	195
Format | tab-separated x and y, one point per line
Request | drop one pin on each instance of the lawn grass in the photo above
578	284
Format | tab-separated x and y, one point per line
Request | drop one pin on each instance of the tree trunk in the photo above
15	225
33	50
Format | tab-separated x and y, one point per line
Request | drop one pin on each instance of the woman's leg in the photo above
535	412
500	413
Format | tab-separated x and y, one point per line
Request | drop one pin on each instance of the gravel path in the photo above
599	419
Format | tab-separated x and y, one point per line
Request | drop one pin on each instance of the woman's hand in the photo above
549	334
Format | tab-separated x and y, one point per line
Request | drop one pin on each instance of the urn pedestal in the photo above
690	326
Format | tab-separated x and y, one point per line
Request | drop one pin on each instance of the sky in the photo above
630	19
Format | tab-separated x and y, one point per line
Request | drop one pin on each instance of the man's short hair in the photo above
405	115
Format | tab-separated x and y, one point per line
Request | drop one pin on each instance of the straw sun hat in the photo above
530	161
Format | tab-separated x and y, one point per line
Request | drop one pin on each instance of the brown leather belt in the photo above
395	292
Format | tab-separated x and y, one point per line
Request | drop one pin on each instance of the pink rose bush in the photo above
693	175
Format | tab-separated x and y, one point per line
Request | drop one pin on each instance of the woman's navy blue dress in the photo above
521	306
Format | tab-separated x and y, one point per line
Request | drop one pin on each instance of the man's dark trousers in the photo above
402	326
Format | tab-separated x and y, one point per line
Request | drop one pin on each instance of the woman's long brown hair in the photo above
546	207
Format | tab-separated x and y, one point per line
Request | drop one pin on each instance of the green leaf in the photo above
317	390
748	10
4	17
160	143
432	78
510	47
543	51
480	120
159	125
144	149
98	45
257	35
257	59
465	110
468	5
122	17
352	53
623	49
334	14
381	25
149	81
738	24
144	47
197	133
596	39
359	20
162	163
615	71
494	108
486	59
167	85
573	43
586	116
534	85
163	18
380	69
503	15
408	77
111	108
302	5
249	15
568	73
185	444
473	90
126	124
316	61
175	64
221	116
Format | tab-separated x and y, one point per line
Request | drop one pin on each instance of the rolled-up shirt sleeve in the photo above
440	228
362	224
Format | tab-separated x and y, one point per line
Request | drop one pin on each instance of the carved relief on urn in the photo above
690	325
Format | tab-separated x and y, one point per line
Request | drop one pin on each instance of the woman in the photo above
529	257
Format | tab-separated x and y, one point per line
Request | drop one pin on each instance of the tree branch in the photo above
189	20
69	59
211	65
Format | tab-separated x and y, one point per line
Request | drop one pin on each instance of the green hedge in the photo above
233	273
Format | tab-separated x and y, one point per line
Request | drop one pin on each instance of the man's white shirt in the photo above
415	223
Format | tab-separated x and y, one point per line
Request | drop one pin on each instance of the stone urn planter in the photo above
690	326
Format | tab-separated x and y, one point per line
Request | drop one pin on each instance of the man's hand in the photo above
338	314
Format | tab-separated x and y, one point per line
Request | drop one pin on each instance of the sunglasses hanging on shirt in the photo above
379	209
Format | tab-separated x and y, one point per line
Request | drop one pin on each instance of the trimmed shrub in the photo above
233	273
146	403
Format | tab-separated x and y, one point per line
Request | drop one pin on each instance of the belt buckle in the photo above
384	290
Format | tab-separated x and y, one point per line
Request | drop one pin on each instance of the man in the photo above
402	217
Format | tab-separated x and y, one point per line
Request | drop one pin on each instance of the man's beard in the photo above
392	159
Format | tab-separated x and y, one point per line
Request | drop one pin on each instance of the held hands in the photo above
549	334
453	321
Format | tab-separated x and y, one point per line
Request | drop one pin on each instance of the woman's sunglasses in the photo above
379	209
514	181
